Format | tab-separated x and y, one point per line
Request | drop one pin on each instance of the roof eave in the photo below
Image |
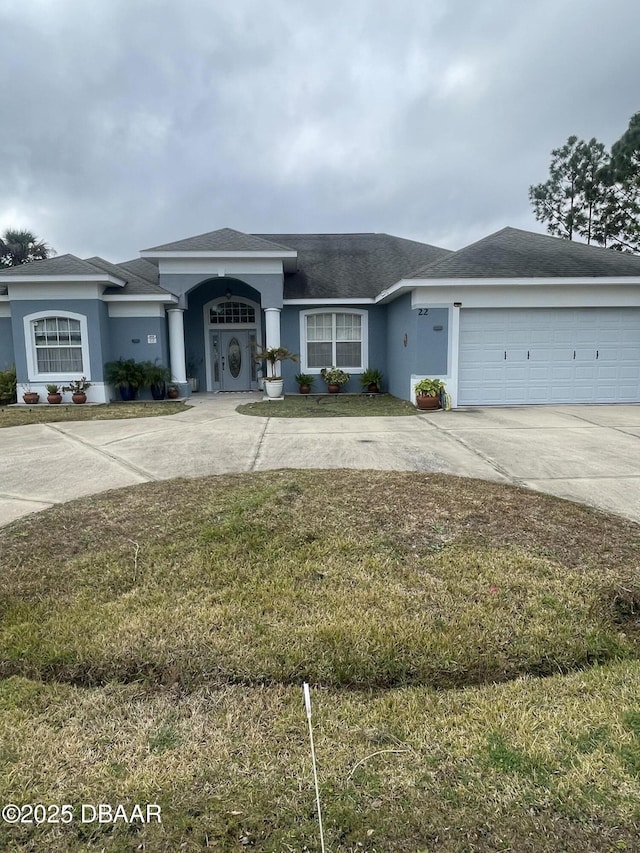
140	297
55	279
524	281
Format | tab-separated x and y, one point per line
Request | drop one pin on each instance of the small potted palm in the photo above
428	393
371	380
54	395
305	381
156	376
127	375
274	384
335	378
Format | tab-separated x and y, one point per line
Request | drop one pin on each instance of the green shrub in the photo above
8	385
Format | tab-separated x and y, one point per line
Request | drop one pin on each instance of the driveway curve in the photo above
589	454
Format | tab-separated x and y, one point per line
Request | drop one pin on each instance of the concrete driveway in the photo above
586	453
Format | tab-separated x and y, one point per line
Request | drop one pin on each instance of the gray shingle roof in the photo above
60	265
352	266
134	283
222	240
512	253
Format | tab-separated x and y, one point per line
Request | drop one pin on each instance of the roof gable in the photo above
513	253
222	240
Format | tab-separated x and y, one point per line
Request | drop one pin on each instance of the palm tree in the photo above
22	247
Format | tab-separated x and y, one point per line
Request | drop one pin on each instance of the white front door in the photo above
235	361
543	355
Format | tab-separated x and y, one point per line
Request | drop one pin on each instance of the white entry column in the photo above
272	327
176	346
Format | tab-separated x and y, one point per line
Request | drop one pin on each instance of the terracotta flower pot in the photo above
54	399
305	389
172	393
428	403
333	389
79	397
31	398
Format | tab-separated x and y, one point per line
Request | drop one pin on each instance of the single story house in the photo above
515	318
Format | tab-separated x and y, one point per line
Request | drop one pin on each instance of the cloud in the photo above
132	122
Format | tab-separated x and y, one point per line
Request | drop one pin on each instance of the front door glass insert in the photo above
234	357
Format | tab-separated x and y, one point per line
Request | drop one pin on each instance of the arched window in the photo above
57	345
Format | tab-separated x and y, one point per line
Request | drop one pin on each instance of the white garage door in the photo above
539	355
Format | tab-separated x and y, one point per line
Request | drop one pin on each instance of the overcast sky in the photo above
129	123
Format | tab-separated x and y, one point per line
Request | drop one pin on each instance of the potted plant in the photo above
125	374
173	392
305	381
78	388
30	397
371	380
54	394
334	377
428	393
192	374
156	376
274	384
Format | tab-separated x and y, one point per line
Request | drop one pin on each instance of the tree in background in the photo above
591	194
22	247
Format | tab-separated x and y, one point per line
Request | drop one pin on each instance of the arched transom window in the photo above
232	313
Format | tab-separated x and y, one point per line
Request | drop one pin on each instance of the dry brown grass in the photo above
361	582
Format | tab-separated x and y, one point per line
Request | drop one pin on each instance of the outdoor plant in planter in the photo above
274	384
30	397
334	377
54	394
428	393
371	380
78	388
173	392
156	376
127	375
305	381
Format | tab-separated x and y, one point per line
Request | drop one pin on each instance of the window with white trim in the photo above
334	339
58	345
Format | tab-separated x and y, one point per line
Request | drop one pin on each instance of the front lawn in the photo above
48	414
330	406
154	641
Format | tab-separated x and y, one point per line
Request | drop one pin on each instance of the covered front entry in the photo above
543	355
232	332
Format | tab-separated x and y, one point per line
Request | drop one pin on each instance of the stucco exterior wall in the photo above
92	309
128	338
6	343
401	346
267	285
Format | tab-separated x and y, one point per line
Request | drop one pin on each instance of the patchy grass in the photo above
330	406
153	643
47	414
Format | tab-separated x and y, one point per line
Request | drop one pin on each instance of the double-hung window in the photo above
58	346
334	339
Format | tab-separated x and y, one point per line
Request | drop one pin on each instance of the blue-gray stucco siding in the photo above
91	308
417	342
290	337
7	357
128	338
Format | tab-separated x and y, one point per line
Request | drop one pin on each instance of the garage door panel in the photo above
553	355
